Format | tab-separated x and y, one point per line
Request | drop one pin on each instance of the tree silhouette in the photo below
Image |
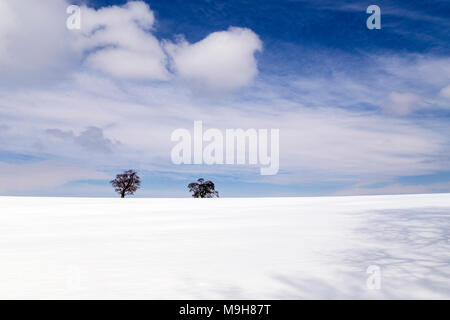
126	183
203	189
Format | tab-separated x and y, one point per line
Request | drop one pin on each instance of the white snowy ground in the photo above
265	248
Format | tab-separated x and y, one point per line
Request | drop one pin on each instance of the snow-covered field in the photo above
264	248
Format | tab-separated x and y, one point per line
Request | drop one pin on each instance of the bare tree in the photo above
126	183
203	189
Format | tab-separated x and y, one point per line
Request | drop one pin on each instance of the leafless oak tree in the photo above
203	189
126	183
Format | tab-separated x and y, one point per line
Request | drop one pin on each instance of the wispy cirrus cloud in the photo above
401	103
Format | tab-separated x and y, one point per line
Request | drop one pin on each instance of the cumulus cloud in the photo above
224	60
120	42
91	139
35	45
6	24
401	103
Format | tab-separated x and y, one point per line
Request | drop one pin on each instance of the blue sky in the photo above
409	25
359	111
288	28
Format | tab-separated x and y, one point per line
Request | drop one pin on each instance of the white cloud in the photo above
401	103
122	42
6	24
423	70
118	41
92	139
445	92
316	143
224	60
35	45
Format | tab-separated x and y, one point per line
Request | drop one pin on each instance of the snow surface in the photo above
260	248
